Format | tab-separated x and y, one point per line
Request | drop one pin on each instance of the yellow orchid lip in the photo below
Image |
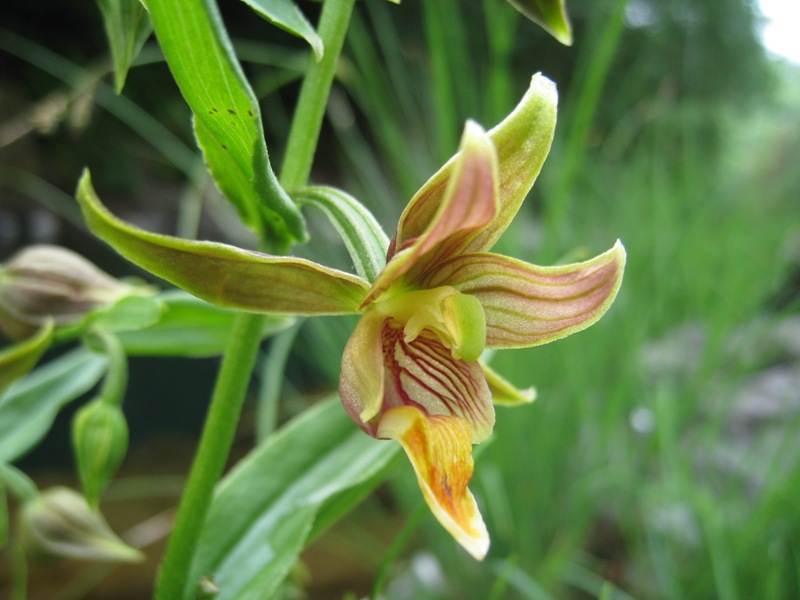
439	449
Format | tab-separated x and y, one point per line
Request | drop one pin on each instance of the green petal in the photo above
504	392
528	305
469	204
522	142
225	275
361	381
463	315
550	15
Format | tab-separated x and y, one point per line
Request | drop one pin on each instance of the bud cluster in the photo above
43	281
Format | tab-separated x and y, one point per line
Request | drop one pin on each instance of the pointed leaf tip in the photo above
286	15
550	15
226	275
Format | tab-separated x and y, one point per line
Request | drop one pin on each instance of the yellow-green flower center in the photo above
456	319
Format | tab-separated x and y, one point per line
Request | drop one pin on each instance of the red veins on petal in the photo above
423	373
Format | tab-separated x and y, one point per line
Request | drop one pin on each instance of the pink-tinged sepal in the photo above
469	204
440	450
522	141
527	305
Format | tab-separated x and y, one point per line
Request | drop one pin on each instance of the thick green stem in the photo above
211	456
240	355
310	109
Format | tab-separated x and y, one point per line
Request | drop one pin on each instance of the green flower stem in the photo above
310	110
240	355
116	380
212	455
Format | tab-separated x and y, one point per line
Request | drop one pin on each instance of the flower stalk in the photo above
240	356
304	133
99	429
212	455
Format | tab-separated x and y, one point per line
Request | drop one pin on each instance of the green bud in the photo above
49	281
60	523
100	440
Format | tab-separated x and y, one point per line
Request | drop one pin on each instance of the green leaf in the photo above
365	240
3	514
550	15
28	408
17	483
286	15
20	358
190	327
127	28
130	313
226	275
266	508
227	118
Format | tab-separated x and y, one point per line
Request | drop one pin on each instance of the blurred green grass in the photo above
629	472
632	475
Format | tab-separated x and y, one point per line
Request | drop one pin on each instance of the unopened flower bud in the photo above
59	522
49	281
100	440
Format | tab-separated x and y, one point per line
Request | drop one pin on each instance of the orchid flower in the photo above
411	370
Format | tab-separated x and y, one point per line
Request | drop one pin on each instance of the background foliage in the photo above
661	457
